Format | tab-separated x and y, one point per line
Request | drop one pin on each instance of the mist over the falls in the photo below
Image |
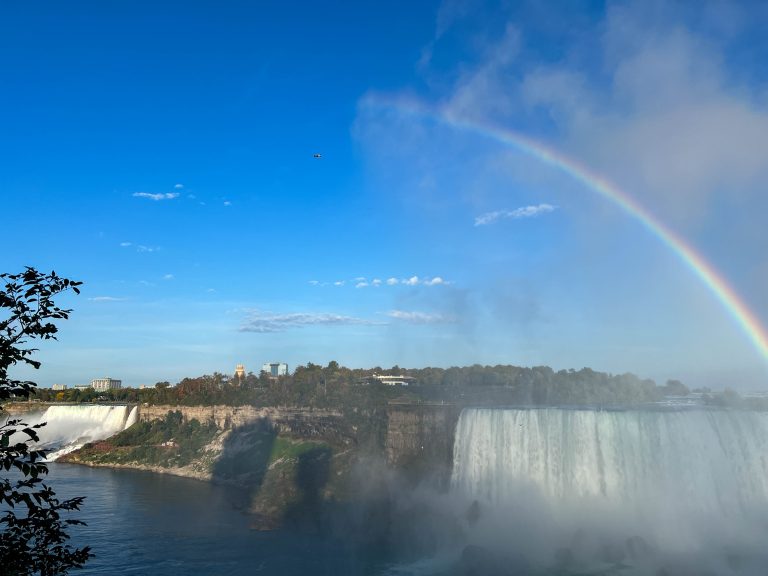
558	491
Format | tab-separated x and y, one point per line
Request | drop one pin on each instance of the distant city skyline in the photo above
238	184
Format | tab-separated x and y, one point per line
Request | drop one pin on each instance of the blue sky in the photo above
164	156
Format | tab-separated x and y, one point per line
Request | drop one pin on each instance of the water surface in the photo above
145	523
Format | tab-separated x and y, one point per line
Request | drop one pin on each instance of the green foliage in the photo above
33	538
356	392
171	441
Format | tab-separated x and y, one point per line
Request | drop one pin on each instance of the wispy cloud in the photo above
516	214
106	299
168	277
264	322
392	281
227	203
139	247
156	197
414	317
178	186
362	285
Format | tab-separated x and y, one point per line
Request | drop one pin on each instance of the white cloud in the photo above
314	282
265	322
339	283
420	317
516	214
376	282
412	281
178	186
227	203
168	277
392	281
211	290
436	281
142	248
156	197
126	244
674	113
106	299
362	285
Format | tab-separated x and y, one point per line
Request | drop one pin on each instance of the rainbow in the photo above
714	281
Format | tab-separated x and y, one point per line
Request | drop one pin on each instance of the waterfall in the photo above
676	478
68	427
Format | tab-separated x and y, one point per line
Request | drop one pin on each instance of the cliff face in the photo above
298	422
17	408
420	438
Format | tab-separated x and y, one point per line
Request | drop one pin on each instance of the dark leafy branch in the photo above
33	521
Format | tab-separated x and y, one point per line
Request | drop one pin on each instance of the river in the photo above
145	523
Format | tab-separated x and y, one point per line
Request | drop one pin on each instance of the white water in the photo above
688	481
70	427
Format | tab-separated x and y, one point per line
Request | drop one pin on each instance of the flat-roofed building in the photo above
101	384
394	380
59	387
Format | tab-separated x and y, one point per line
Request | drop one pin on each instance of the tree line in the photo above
334	385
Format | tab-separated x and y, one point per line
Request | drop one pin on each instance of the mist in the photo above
556	491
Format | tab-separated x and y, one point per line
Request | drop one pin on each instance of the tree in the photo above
33	539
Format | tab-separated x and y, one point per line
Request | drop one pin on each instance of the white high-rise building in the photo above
101	384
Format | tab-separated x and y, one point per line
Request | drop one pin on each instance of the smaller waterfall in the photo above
67	428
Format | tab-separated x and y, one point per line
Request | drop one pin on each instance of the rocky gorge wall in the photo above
420	438
301	422
417	436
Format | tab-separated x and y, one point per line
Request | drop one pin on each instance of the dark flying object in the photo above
316	156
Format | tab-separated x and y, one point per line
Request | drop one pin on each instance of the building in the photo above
101	384
394	380
240	371
59	387
82	386
275	369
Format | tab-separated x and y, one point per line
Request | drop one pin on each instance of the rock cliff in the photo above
419	438
299	422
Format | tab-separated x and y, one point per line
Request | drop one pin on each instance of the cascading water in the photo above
69	427
688	481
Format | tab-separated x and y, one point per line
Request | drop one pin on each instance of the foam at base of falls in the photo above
70	427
